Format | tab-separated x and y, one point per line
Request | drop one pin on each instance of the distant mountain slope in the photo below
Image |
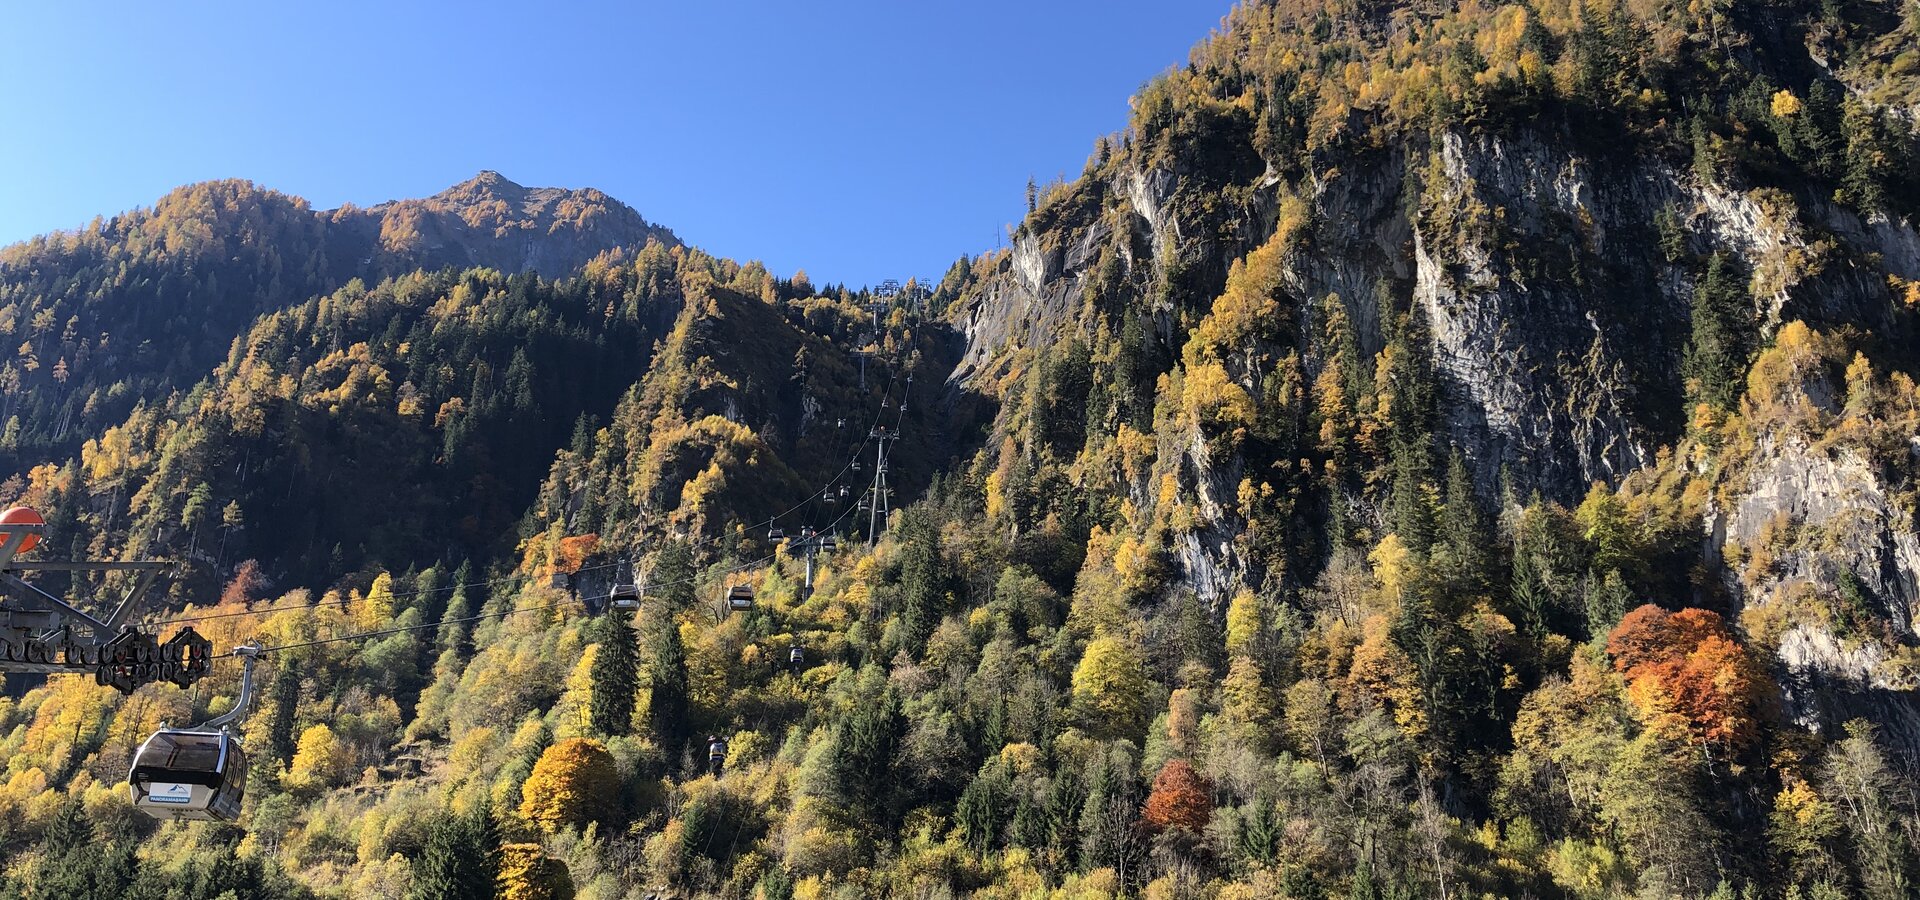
488	221
145	303
415	420
755	401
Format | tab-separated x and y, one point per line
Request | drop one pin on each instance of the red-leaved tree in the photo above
1181	798
1687	667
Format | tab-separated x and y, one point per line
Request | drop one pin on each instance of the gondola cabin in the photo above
626	596
739	598
198	775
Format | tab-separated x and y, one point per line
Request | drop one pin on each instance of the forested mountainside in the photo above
414	421
144	304
1434	450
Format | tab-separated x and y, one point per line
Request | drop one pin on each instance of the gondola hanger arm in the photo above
248	653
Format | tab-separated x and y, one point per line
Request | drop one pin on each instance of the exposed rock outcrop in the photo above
1558	284
1826	552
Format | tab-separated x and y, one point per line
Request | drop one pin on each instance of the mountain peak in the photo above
489	220
487	183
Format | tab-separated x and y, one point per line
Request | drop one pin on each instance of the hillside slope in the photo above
1437	255
145	303
1434	450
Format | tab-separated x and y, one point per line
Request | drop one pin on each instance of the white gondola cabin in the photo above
189	775
196	773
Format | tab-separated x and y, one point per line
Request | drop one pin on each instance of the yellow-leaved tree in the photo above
1244	695
528	873
1243	622
319	762
573	783
1109	686
375	610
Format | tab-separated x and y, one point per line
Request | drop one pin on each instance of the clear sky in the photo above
857	140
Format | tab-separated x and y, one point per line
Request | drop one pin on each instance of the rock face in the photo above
1558	285
1534	357
1827	682
1842	524
1828	550
491	222
1558	321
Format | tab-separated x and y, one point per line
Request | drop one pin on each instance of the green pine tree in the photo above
667	676
981	809
867	739
1411	412
280	719
616	676
437	873
71	866
1528	596
1465	529
461	859
1722	345
1362	886
923	576
776	884
672	577
455	632
1870	157
1608	599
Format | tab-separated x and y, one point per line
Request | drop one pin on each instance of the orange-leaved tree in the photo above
1181	798
573	783
1686	669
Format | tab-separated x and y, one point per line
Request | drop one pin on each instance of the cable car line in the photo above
264	611
383	632
395	594
853	458
824	491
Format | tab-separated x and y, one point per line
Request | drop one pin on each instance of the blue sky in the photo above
857	140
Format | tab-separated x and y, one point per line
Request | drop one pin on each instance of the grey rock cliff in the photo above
1558	285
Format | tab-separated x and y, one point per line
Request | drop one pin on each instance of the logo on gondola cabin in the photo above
170	793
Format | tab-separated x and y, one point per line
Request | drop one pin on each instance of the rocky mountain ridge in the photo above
491	222
1557	276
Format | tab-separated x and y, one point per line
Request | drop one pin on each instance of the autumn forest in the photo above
1430	451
